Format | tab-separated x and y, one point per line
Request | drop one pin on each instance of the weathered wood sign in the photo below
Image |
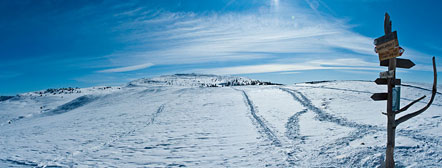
386	43
379	96
383	81
386	38
387	46
390	53
400	63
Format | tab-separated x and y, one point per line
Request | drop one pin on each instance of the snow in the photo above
192	120
201	80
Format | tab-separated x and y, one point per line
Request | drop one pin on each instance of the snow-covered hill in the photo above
199	80
181	121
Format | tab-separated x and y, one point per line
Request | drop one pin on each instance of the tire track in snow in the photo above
267	131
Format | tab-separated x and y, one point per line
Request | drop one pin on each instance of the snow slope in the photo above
192	121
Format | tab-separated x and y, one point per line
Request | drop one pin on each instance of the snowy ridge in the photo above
190	120
197	80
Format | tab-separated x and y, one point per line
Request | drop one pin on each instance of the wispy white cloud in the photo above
290	72
187	37
127	68
354	62
427	68
335	64
315	41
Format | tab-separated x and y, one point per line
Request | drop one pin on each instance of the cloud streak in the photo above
127	68
281	37
165	38
336	64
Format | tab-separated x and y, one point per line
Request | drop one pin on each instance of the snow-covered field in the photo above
184	121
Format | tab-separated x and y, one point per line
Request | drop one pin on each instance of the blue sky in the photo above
51	44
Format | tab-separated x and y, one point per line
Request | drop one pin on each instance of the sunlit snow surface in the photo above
181	124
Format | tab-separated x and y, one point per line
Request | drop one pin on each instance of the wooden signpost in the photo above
379	96
388	49
381	81
400	63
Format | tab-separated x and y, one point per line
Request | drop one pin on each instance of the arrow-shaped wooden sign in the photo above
400	63
383	81
379	96
384	39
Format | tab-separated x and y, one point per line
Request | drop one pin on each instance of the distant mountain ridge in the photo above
198	80
189	80
186	80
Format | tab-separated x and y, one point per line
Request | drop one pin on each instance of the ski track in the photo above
323	116
417	87
267	131
408	133
20	163
292	133
25	163
361	131
292	126
358	91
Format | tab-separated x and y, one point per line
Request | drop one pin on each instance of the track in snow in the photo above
292	126
293	133
361	131
24	163
322	115
343	122
115	137
330	148
366	92
289	144
269	133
